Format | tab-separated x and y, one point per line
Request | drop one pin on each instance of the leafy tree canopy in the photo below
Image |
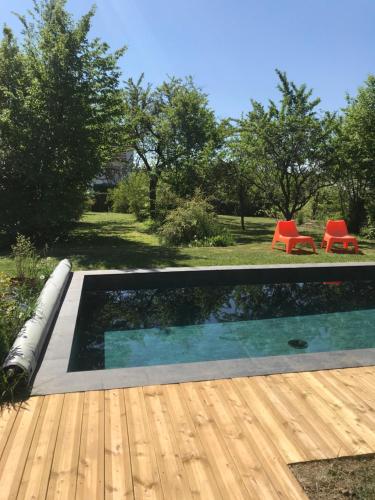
60	108
356	148
172	130
288	147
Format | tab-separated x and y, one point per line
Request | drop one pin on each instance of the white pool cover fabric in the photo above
28	345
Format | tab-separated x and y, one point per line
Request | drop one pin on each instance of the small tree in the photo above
288	148
170	128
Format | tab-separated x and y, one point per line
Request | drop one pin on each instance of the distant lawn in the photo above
118	241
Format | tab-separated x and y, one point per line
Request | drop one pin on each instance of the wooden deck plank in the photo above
348	442
118	477
7	418
325	443
39	462
289	419
17	448
230	438
359	412
227	475
267	449
146	479
172	473
200	475
239	443
332	427
90	482
360	385
351	427
271	421
63	478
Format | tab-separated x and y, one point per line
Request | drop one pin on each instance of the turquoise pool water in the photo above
146	327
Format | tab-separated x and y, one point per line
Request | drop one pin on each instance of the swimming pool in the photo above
145	327
158	326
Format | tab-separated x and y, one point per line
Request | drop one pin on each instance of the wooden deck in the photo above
224	439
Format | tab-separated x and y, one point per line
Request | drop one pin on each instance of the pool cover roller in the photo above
27	347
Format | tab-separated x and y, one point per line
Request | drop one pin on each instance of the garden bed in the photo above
340	478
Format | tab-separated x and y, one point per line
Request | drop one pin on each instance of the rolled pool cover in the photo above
28	345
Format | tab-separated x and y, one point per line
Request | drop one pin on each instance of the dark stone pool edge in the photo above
53	377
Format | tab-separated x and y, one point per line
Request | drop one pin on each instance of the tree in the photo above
289	148
172	129
356	147
60	111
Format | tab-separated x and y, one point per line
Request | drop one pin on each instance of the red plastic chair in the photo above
286	232
337	232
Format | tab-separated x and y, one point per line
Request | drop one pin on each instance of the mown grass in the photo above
118	241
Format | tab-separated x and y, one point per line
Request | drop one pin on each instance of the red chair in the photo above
286	232
337	232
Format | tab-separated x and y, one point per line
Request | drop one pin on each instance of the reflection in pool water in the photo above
146	327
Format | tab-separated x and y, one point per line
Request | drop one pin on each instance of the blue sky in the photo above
231	47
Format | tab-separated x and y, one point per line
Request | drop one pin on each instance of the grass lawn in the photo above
118	241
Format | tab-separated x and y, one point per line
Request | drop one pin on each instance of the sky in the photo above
232	47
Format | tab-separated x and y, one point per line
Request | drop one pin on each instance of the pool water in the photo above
145	327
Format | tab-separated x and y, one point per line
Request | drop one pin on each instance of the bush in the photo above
25	257
166	201
300	218
89	200
193	222
131	195
117	198
17	303
224	239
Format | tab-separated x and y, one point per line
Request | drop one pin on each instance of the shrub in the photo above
89	200
166	201
117	198
300	218
131	195
29	265
192	222
25	257
224	239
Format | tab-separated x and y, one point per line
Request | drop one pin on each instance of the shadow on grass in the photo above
259	232
343	251
111	252
296	251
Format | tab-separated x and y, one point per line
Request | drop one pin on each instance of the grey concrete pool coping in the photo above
53	376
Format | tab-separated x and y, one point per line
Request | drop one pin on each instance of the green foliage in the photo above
288	147
223	239
25	257
356	146
191	222
326	204
172	130
117	198
18	297
300	218
60	110
89	200
131	195
166	201
17	304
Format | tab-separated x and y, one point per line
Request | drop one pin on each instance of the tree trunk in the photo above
242	207
152	195
287	214
356	215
